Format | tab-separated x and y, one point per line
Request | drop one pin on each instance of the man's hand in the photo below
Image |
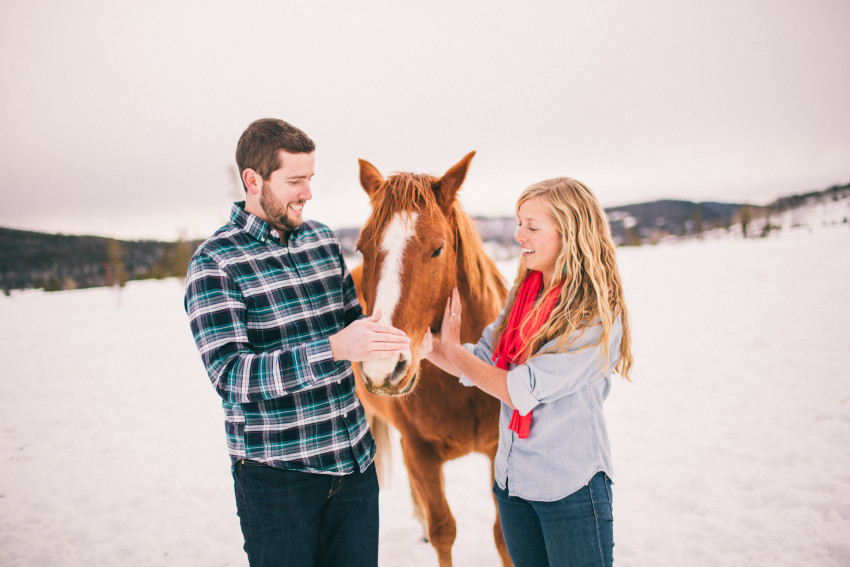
366	339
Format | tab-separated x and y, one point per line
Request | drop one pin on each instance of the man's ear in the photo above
252	180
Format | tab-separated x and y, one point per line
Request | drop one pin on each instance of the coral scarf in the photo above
508	351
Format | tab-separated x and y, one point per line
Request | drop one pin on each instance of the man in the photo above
275	317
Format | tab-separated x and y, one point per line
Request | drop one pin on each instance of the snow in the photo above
731	446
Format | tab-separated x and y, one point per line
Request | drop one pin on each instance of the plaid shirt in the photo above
261	313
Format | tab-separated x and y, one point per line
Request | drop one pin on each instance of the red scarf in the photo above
517	333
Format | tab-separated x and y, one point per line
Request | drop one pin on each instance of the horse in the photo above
417	245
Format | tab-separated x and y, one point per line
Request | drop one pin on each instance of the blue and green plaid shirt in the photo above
261	312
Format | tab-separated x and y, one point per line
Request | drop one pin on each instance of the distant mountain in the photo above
636	224
652	222
655	221
54	261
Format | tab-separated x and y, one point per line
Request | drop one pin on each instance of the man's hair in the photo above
261	142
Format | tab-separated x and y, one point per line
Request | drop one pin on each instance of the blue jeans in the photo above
576	531
303	519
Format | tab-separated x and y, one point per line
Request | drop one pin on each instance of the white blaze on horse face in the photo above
400	230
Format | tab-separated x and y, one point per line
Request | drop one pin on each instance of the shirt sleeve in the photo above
217	317
483	349
350	303
547	377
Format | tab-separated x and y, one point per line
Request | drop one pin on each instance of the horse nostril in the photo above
400	366
399	371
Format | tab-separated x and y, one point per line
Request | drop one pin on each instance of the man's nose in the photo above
307	193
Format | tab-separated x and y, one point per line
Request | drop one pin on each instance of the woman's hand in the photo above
459	361
450	329
437	356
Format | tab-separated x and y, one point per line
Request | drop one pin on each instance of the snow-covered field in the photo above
731	447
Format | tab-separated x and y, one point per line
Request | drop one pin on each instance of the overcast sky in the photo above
121	118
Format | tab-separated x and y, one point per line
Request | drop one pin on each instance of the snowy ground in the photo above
731	447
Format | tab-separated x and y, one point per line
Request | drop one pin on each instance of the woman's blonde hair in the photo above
593	291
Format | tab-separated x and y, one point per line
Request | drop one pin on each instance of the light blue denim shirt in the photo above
568	442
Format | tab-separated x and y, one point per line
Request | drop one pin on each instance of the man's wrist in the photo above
331	341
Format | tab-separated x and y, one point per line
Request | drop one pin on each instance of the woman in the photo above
549	358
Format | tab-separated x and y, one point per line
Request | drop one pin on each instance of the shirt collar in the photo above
255	227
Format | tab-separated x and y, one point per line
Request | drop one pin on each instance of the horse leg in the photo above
418	511
416	498
425	471
384	455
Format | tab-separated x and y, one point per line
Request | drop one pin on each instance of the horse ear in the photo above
370	177
447	187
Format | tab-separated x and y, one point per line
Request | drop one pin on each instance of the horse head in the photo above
410	251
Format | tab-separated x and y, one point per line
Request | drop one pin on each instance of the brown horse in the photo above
417	245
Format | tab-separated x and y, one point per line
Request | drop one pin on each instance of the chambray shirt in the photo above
261	312
568	441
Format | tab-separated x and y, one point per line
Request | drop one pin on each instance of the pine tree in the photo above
117	268
745	215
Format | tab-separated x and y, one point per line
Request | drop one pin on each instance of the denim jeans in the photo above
303	519
576	531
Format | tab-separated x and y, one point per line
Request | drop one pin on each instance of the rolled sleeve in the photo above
520	386
546	377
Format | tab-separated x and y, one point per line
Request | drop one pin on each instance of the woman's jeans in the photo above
576	531
304	519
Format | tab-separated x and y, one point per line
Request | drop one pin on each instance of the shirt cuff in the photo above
518	389
320	359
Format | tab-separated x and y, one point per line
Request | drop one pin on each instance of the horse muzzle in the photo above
389	376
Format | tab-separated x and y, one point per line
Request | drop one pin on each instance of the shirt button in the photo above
345	415
339	382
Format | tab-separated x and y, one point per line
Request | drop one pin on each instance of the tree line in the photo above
56	262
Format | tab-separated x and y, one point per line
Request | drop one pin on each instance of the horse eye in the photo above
437	252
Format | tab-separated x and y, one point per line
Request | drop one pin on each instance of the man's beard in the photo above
277	212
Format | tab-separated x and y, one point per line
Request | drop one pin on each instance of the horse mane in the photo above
410	192
481	272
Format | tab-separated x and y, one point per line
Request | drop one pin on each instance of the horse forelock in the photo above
401	192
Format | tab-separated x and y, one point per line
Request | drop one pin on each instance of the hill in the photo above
54	261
